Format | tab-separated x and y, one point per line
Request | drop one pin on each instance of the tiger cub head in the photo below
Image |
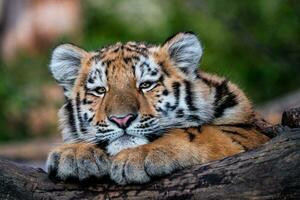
126	95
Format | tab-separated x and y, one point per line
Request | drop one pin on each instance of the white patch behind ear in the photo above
65	64
185	50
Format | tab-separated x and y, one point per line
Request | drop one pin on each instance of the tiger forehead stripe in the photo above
163	67
130	47
129	58
94	59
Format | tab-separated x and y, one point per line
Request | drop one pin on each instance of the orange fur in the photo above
226	130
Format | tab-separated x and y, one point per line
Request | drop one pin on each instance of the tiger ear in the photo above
185	50
65	64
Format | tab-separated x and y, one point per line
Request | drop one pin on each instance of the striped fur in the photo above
183	116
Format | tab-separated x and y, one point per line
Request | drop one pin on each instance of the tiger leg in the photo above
178	149
78	161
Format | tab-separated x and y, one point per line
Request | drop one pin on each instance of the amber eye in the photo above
146	85
100	90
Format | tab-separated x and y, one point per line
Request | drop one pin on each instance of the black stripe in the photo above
136	58
194	118
102	144
133	69
94	59
190	135
108	62
165	92
52	173
234	133
129	49
223	99
163	68
70	117
106	74
185	70
85	101
91	80
116	50
208	82
176	88
161	79
239	143
189	96
80	120
179	113
154	73
101	131
238	125
153	137
91	119
156	87
85	117
126	60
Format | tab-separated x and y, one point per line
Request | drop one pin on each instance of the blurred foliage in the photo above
256	44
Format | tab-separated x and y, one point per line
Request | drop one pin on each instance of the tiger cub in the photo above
134	111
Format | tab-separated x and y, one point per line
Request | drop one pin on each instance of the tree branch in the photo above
269	172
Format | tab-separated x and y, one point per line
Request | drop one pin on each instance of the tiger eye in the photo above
145	85
100	90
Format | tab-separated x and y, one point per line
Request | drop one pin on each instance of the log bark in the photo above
269	172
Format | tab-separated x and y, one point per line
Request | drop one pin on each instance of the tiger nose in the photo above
123	121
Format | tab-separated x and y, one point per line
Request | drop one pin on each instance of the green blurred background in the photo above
256	44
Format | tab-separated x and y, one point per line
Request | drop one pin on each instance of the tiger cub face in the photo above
127	95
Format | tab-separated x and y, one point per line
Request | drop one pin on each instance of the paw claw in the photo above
77	162
128	167
139	165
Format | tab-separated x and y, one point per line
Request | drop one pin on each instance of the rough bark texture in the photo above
269	172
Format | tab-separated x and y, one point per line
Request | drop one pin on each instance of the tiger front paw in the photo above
128	167
138	165
80	161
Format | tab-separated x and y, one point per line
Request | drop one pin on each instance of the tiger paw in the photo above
128	167
78	161
138	165
162	161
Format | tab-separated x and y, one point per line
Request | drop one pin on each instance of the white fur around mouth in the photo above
125	142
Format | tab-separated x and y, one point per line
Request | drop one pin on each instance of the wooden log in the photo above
269	172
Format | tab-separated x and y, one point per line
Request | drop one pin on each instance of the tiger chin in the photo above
135	111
